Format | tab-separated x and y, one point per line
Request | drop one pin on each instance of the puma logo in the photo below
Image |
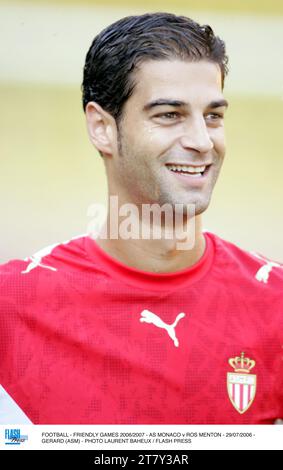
149	317
34	263
36	259
262	275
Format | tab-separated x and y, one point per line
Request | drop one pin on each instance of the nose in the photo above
196	136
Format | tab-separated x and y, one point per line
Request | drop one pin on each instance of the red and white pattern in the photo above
241	390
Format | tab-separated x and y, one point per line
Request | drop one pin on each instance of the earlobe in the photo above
100	127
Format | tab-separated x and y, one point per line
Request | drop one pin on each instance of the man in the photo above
180	328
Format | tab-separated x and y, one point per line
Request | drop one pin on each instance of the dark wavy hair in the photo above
120	48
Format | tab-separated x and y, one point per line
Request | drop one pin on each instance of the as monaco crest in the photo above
241	384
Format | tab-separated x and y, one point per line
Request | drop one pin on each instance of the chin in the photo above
201	209
182	207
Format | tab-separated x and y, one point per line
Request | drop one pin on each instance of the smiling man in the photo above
136	330
168	149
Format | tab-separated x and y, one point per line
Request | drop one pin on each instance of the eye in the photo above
170	115
215	116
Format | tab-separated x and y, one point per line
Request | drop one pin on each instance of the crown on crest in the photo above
241	364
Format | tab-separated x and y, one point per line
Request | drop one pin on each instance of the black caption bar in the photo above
140	459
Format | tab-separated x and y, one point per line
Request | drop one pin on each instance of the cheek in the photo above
139	137
218	138
159	141
147	144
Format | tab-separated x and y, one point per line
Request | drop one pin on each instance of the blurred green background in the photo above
49	172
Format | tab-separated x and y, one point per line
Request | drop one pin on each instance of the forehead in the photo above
178	79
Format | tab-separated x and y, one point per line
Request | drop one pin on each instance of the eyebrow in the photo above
178	103
218	104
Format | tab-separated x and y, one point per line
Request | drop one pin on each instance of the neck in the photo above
163	255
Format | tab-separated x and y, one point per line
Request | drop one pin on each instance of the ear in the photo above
101	128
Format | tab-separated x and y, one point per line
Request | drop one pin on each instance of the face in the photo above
171	141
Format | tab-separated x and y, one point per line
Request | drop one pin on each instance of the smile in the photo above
191	171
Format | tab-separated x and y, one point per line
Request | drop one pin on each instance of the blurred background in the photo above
50	173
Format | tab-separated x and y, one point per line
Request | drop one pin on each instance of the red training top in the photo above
85	339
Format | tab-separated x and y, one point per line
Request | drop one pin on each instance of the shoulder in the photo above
35	287
48	258
23	281
247	263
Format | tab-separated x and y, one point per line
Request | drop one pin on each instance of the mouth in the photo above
189	171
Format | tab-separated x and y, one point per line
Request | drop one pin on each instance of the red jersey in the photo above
85	339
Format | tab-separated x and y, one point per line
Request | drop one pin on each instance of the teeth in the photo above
186	168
